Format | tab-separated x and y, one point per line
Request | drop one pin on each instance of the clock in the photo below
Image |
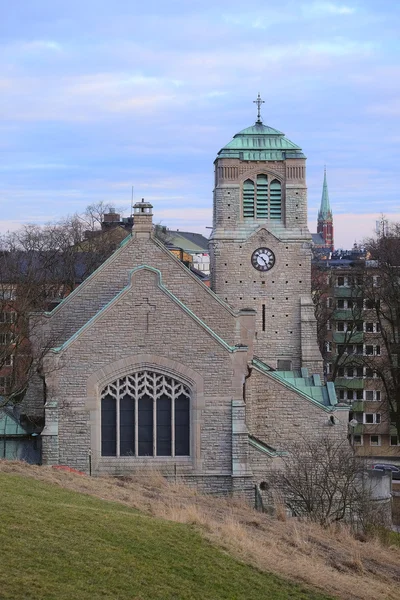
263	259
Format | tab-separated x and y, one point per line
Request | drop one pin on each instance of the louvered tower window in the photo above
262	200
262	197
145	414
248	199
275	200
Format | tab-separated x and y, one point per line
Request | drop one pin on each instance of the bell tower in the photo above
260	244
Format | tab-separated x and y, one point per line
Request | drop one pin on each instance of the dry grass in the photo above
329	560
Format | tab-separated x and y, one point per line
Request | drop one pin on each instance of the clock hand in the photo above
265	260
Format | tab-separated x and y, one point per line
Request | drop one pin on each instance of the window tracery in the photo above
145	414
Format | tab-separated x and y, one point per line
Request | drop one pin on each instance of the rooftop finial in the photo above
259	102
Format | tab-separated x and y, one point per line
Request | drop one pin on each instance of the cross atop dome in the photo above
259	101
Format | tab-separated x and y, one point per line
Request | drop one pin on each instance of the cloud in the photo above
390	108
318	9
34	166
263	19
11	225
40	45
95	101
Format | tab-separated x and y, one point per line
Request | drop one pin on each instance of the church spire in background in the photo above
325	218
325	211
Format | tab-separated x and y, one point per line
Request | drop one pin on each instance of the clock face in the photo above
263	259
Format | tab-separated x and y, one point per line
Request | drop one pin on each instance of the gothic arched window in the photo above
262	200
145	414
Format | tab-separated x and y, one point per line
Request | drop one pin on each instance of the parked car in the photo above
384	467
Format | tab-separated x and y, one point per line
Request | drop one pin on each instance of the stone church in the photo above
152	369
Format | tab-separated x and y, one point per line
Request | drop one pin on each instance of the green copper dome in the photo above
260	142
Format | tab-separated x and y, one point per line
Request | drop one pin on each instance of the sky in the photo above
98	96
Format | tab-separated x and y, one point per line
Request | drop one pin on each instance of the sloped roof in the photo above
191	242
318	239
9	423
100	313
307	386
46	266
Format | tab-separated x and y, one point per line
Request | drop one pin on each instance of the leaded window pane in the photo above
164	438
127	425
182	426
145	429
108	426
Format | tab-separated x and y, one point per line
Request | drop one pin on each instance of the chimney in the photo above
110	220
111	216
142	219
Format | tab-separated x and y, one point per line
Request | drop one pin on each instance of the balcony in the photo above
347	314
346	359
378	429
347	337
349	384
357	429
357	406
346	292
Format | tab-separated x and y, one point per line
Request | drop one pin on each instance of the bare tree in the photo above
321	479
348	351
323	308
39	266
382	298
93	215
24	290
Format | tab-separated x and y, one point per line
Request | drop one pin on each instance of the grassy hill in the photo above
61	544
66	536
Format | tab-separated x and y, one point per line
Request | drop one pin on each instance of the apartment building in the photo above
354	352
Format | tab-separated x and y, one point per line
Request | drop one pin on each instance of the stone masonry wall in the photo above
279	416
296	206
274	294
278	290
113	276
123	331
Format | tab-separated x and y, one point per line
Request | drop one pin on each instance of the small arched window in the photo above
248	199
145	414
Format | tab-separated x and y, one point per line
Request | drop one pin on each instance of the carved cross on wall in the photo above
144	307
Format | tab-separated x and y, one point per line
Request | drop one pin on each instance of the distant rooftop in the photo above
188	241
